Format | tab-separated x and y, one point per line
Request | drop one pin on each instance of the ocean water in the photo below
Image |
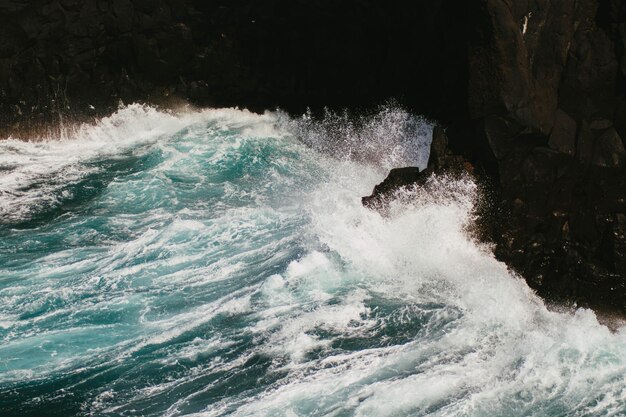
219	263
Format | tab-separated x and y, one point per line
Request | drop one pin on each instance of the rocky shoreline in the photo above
532	94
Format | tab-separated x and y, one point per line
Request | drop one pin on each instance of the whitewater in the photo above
219	263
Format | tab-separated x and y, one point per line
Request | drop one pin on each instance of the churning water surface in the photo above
219	262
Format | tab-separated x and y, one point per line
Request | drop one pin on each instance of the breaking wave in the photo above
219	262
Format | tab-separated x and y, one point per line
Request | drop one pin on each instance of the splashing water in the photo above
219	262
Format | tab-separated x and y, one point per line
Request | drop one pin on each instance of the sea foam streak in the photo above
222	264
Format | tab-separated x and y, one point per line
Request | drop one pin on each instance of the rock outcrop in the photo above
533	94
441	161
397	179
547	105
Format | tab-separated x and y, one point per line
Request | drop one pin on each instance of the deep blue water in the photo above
219	262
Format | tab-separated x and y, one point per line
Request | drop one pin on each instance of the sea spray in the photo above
219	262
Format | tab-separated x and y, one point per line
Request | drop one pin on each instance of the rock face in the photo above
533	94
546	100
62	57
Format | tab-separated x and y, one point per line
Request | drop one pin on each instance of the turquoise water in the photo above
219	262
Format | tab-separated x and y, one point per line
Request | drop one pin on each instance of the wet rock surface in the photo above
441	161
546	101
397	179
532	94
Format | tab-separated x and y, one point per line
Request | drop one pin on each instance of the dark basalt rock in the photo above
547	101
397	179
62	57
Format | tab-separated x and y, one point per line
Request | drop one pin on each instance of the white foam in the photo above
35	172
505	344
474	340
423	250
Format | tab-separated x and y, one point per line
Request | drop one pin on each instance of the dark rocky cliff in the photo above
61	56
531	92
547	106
